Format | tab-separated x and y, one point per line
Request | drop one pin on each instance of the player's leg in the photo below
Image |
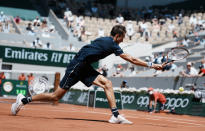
69	79
22	100
90	76
107	86
54	96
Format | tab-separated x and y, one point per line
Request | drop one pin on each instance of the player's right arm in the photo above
139	62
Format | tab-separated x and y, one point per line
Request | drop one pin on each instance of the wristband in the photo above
149	64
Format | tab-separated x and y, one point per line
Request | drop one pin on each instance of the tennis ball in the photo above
181	89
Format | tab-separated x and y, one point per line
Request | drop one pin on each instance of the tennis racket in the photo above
175	54
38	85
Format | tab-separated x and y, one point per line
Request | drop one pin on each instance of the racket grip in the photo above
166	65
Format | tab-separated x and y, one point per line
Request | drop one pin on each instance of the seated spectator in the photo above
94	10
120	19
2	17
156	28
180	19
197	39
36	22
38	42
70	47
171	26
185	42
130	30
144	29
2	77
68	18
78	32
47	46
30	29
202	63
33	44
202	68
202	72
163	58
157	59
6	27
193	20
202	42
101	32
124	84
22	77
30	78
190	71
17	19
44	23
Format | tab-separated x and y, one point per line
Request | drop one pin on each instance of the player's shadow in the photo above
78	119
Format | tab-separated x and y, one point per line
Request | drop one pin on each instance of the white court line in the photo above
167	118
148	116
134	116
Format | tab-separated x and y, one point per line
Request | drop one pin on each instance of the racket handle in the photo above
168	61
166	65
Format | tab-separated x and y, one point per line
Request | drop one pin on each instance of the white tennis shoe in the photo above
119	120
15	108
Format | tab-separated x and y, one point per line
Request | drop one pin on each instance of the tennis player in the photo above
80	69
157	97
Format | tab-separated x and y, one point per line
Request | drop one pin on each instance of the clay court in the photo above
66	117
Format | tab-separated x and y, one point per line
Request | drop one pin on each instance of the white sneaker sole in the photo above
14	109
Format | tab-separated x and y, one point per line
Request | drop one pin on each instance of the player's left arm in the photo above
140	62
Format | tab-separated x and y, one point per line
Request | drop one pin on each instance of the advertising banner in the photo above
182	103
35	56
178	102
14	87
102	102
129	100
76	97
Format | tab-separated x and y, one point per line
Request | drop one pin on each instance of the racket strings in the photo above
177	54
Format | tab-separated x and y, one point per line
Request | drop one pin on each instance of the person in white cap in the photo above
157	98
190	71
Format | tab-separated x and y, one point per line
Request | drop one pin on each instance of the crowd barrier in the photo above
182	103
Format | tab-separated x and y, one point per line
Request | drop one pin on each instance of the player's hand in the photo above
157	66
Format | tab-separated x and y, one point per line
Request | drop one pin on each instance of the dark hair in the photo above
118	29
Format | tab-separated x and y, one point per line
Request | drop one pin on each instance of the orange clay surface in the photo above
66	117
